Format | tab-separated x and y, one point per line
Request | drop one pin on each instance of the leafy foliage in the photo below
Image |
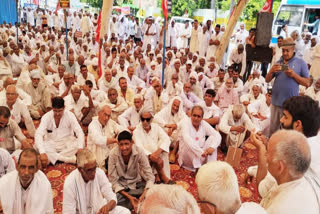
98	3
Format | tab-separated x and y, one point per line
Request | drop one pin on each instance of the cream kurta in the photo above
234	138
97	138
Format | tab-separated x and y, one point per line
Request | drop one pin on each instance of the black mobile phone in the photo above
284	67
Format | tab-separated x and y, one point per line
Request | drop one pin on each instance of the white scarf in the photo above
96	199
39	191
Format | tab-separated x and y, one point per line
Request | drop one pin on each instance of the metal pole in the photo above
164	51
65	19
17	21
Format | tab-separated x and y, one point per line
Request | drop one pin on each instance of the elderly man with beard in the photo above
19	110
27	189
116	103
40	94
198	141
102	134
314	90
130	118
107	81
88	190
155	97
155	143
168	118
59	135
80	103
227	95
235	126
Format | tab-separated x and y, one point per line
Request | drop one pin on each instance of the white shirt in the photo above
82	81
150	142
6	162
70	104
129	117
293	197
68	126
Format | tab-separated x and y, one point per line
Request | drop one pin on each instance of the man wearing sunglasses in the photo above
88	190
155	142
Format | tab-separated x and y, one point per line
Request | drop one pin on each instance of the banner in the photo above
165	8
267	7
65	4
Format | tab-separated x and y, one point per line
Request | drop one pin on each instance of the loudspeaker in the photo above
260	54
264	29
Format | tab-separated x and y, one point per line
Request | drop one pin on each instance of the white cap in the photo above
159	56
153	64
251	208
35	74
95	61
189	62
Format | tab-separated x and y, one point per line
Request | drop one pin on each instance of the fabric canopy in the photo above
8	11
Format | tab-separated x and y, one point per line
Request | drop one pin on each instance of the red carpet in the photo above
185	178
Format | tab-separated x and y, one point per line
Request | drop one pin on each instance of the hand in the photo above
246	103
209	151
86	90
169	132
239	129
111	141
276	68
256	141
134	202
155	156
26	144
131	128
289	72
44	160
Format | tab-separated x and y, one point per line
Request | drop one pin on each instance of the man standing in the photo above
88	190
27	189
198	142
55	136
289	72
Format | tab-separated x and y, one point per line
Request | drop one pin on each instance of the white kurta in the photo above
59	141
193	144
194	42
152	141
203	42
80	197
70	104
227	121
293	197
36	199
20	111
6	162
97	138
129	117
212	48
260	106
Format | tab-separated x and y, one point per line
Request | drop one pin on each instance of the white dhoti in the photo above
235	139
63	149
190	155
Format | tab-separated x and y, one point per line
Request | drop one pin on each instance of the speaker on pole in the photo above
264	29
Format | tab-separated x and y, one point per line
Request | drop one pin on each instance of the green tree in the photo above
252	9
98	3
179	6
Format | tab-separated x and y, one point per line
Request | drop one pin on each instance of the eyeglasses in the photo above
145	119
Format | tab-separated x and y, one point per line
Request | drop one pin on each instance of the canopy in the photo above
8	11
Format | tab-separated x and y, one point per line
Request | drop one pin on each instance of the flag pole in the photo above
65	19
164	51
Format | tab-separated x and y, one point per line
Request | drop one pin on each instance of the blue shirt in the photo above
284	86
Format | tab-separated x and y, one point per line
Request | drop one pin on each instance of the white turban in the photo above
35	74
95	61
